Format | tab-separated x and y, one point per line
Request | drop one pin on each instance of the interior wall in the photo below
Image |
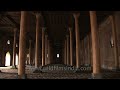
106	49
85	51
117	21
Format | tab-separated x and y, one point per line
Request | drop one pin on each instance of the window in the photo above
57	55
7	59
8	42
16	45
112	42
16	63
27	55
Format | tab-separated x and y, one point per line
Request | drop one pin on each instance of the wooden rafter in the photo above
13	21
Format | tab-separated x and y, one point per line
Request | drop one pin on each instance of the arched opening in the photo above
16	63
7	59
57	55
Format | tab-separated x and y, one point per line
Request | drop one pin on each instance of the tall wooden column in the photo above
95	45
43	46
14	49
116	56
63	57
22	44
88	39
37	51
3	51
49	52
30	52
71	47
83	51
65	53
76	17
68	51
46	49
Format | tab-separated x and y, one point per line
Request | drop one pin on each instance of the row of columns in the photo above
46	50
14	48
94	37
95	44
46	47
37	48
68	49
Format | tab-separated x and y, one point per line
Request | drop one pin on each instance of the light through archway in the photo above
7	59
58	56
16	63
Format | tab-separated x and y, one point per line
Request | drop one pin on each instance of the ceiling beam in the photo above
5	25
13	21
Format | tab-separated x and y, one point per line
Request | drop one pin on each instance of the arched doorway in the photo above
7	59
16	63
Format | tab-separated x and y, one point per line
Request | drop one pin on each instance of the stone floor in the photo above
8	73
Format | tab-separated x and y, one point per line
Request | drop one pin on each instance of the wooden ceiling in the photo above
56	22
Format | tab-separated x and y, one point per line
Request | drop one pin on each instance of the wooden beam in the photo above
5	25
13	21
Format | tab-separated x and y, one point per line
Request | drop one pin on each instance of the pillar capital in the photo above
44	28
92	12
30	40
46	35
111	18
15	29
67	35
70	28
76	15
38	15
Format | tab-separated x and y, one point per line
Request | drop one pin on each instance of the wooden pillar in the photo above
90	43
95	45
65	53
22	44
30	52
14	49
62	55
49	52
43	46
68	51
82	44
116	56
3	51
88	38
71	47
46	49
83	51
76	17
37	48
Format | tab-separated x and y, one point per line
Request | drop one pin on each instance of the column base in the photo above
30	64
37	70
116	69
77	70
96	76
24	76
14	67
